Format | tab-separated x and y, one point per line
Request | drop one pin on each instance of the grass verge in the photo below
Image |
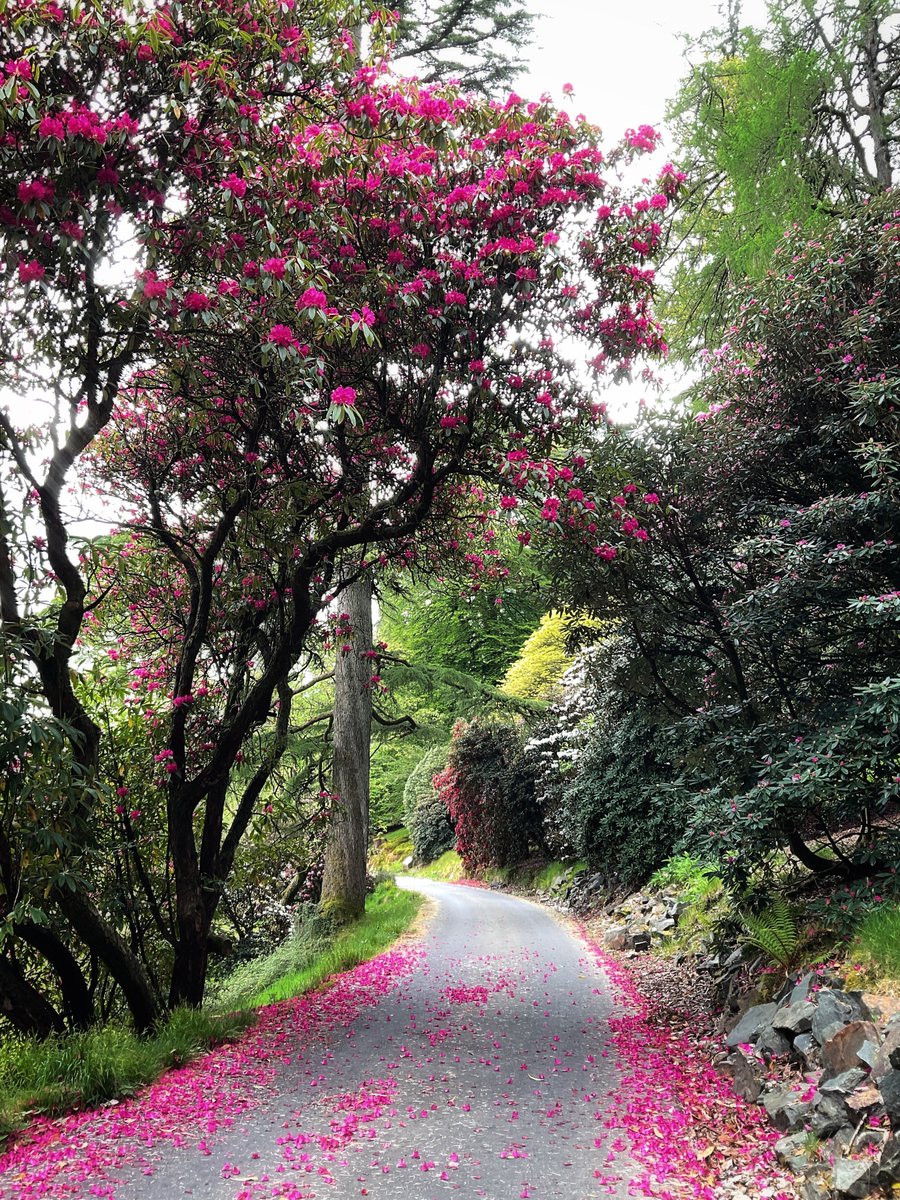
82	1070
447	868
875	949
389	913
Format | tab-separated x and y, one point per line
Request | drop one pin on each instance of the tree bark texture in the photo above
344	878
24	1006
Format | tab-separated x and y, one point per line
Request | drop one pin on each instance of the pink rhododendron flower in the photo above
197	302
235	184
37	189
281	335
312	298
52	127
31	270
156	289
344	395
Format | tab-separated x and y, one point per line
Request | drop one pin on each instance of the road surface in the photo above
483	1072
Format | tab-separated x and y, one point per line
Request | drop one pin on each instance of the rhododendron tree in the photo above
488	790
370	324
759	616
350	303
107	114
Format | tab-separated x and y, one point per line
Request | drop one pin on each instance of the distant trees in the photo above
756	627
786	123
478	42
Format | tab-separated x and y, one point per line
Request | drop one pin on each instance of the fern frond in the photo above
774	931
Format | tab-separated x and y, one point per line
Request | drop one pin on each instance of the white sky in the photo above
623	57
625	60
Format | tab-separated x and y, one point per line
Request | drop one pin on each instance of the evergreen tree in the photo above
775	126
478	42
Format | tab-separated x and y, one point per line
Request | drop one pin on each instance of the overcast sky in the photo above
623	57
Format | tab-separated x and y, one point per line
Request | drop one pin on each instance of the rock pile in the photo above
841	1125
643	919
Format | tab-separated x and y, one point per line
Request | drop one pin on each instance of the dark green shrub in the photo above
425	813
618	810
489	789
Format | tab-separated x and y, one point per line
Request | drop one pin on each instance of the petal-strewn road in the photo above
481	1069
485	1066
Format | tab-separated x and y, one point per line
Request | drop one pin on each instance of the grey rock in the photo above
853	1045
800	990
889	1163
868	1052
662	925
830	1011
790	1151
846	1082
638	941
751	1024
853	1176
816	1184
744	1076
840	1141
830	1114
861	1010
889	1086
786	1110
614	937
807	1048
772	1043
890	1046
795	1018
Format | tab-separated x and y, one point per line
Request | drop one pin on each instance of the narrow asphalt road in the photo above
483	1072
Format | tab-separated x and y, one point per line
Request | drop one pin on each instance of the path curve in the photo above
484	1071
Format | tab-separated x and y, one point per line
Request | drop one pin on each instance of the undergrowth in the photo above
389	913
81	1070
297	952
390	849
696	881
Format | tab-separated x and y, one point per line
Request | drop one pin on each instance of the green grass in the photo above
389	913
390	850
877	943
81	1070
296	953
447	868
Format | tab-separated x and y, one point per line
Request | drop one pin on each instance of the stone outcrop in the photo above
842	1127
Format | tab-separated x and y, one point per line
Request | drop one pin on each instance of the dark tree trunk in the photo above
115	954
344	878
191	912
24	1006
79	1007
